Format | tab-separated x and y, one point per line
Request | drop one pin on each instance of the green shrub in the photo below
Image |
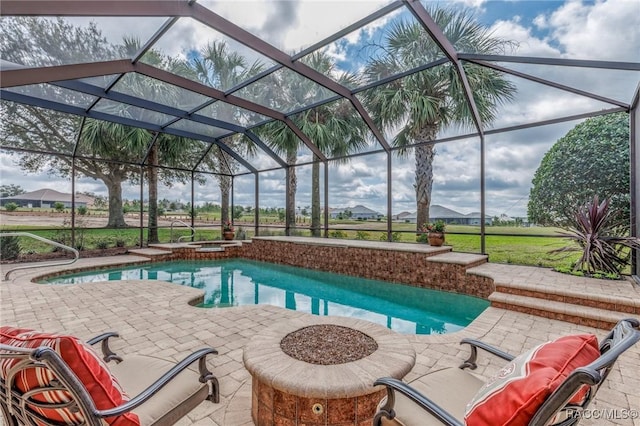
10	207
102	244
395	236
120	242
338	234
362	235
9	247
82	210
59	206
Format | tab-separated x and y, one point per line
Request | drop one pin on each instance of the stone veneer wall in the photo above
388	265
405	267
271	406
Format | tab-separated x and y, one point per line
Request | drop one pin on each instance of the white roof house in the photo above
438	212
357	212
46	198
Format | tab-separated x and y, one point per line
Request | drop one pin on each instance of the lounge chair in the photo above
56	379
551	384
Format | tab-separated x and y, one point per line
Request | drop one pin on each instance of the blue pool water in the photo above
235	282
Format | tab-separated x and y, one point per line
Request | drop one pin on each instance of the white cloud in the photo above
477	4
527	43
294	25
604	30
540	22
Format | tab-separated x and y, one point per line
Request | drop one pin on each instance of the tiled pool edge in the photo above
420	266
423	266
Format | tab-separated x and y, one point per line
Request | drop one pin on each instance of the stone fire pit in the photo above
320	370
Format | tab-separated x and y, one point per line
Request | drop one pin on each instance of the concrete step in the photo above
574	313
149	252
559	293
168	246
466	259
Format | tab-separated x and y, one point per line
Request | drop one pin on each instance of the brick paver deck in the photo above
155	317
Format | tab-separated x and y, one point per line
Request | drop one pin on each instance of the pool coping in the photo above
29	278
199	298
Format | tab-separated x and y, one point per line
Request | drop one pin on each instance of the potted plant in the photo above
228	231
435	233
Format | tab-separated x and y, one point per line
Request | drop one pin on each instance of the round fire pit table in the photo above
320	370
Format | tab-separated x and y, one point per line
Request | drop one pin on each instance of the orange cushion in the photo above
90	369
513	395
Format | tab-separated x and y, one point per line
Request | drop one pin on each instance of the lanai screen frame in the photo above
67	76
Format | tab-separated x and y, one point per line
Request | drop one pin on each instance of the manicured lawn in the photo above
517	245
522	246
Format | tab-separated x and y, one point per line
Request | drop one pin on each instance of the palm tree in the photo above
423	103
335	128
284	142
217	66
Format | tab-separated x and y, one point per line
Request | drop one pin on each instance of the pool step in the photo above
169	246
468	260
558	293
202	250
149	252
563	311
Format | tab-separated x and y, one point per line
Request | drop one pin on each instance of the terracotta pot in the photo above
228	235
436	239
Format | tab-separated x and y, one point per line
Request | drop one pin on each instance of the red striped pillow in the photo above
83	361
514	395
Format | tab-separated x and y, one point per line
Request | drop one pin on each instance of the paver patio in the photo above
155	317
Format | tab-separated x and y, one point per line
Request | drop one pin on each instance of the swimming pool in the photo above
237	282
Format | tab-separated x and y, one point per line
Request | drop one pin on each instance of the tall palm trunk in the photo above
315	197
152	175
424	173
292	155
225	197
224	182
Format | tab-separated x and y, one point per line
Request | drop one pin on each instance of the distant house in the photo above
358	212
400	217
47	198
437	212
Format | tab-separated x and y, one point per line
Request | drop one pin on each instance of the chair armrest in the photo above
107	353
205	375
475	344
395	385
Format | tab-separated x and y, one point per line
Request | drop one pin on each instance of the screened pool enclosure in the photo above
331	110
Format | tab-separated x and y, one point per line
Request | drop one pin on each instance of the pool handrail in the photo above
44	240
193	231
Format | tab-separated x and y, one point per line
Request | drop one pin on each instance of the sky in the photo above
599	30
